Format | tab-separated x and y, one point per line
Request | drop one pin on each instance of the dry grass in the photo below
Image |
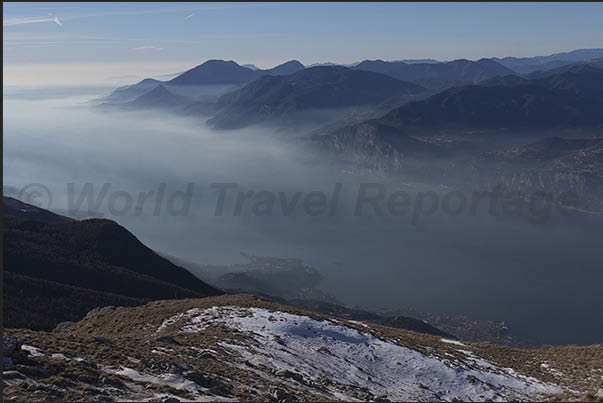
111	338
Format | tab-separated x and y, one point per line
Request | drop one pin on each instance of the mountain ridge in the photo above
272	97
557	100
527	65
96	254
229	72
158	97
438	75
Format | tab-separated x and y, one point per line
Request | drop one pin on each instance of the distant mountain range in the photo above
430	73
330	64
572	98
210	73
425	94
519	65
278	97
574	67
433	129
437	75
415	61
526	65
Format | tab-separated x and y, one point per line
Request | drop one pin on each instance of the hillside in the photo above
554	165
272	98
549	149
586	66
247	348
157	98
438	75
569	99
17	209
375	146
39	304
129	93
98	260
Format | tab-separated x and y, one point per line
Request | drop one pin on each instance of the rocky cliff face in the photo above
553	165
374	147
566	168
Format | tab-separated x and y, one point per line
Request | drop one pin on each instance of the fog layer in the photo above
543	277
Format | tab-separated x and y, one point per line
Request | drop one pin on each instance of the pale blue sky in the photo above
178	34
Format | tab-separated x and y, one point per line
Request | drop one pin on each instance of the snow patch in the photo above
173	381
169	322
358	323
34	351
553	371
359	361
458	343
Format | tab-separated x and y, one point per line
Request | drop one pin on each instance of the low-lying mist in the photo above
541	275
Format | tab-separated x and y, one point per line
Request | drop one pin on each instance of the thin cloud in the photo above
148	47
33	37
7	22
157	10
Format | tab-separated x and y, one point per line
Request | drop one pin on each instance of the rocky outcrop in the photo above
553	165
100	310
62	325
10	345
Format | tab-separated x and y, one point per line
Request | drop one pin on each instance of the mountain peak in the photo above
290	62
218	61
158	97
149	81
160	89
251	66
215	72
290	67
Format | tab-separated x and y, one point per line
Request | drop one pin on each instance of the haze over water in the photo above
544	279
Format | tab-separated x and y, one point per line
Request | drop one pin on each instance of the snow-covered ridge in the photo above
313	350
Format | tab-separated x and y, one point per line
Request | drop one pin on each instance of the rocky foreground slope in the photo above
244	347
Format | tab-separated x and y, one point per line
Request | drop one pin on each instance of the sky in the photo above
112	42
